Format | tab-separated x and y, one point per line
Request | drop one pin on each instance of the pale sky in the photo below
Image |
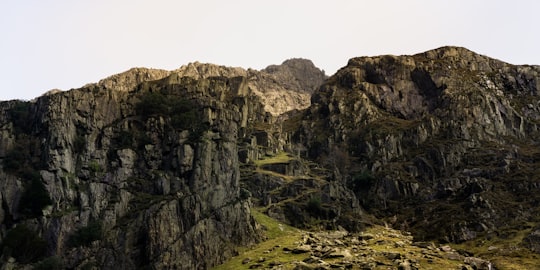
64	44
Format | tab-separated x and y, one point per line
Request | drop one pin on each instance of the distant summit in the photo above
301	72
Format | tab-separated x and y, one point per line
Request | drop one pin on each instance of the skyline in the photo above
63	45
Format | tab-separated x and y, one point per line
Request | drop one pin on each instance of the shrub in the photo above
14	161
244	194
142	139
95	167
79	144
185	120
362	181
86	235
35	197
23	161
183	113
50	263
314	205
153	103
23	156
24	245
125	139
21	115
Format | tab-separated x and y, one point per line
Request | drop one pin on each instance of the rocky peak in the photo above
203	70
126	81
162	169
446	136
302	74
281	88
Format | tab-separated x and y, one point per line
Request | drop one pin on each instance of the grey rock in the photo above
478	263
301	249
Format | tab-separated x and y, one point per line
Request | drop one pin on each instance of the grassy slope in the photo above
277	236
507	255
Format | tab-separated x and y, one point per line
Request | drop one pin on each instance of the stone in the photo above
532	240
274	263
302	266
446	249
301	249
312	260
393	255
405	265
365	236
453	256
338	253
478	263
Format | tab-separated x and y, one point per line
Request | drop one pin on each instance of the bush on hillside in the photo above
24	245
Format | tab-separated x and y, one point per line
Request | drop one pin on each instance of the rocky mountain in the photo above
183	169
446	133
138	170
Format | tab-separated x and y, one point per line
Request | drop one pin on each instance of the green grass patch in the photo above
287	178
505	252
273	228
278	235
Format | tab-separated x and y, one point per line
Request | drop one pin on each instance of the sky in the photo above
65	44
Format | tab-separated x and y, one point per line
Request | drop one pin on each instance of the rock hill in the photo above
183	169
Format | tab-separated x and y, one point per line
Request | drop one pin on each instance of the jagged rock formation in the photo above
138	170
161	199
161	169
127	81
299	74
443	142
281	88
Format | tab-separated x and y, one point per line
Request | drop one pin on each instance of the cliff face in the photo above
443	143
161	169
281	88
138	170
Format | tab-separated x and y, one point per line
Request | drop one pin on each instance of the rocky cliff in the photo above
443	143
167	169
138	170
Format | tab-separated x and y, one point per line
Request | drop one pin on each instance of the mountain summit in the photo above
427	161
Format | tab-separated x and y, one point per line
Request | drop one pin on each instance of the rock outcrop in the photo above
444	142
281	88
162	169
301	75
138	170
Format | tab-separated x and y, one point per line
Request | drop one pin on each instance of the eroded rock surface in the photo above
138	170
160	169
439	142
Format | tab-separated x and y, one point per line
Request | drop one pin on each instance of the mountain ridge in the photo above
162	169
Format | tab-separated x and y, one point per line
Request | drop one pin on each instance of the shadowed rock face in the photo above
301	74
449	136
